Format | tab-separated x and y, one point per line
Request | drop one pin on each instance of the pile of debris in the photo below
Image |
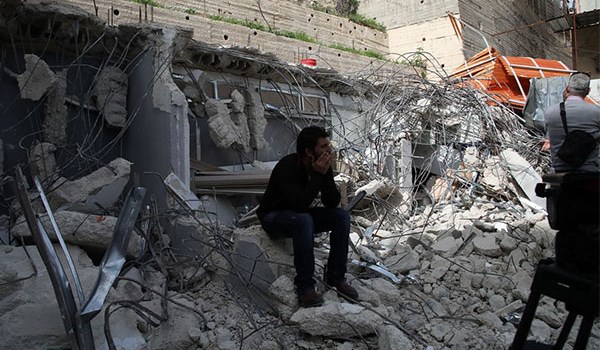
454	274
444	245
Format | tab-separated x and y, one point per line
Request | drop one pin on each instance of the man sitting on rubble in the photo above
285	211
580	115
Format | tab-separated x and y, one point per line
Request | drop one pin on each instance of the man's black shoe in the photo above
310	298
344	289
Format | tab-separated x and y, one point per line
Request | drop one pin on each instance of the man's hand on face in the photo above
323	163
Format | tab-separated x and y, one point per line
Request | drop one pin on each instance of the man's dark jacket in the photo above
292	187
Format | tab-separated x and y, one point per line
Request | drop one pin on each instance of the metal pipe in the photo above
61	241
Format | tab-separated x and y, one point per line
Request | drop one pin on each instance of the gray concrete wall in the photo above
588	51
588	5
505	25
436	37
327	29
414	24
400	13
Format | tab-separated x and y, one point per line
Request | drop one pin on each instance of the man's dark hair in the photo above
309	137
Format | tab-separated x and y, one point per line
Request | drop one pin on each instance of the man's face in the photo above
323	146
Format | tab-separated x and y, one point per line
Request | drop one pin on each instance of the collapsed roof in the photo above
506	78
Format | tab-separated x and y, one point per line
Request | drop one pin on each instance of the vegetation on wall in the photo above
368	53
296	35
352	5
348	9
367	22
416	59
149	2
241	22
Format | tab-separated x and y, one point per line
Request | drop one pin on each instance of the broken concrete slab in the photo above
223	130
387	291
257	123
283	292
187	274
239	118
37	78
86	230
29	312
95	192
447	246
494	174
42	161
178	331
338	320
391	338
55	120
486	245
259	260
110	92
524	174
188	237
403	262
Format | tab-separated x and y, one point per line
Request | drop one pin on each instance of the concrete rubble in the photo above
111	95
55	122
464	264
43	162
37	79
240	123
86	230
98	190
444	244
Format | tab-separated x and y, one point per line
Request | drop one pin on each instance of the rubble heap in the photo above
446	265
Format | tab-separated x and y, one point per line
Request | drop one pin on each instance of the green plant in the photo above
190	11
416	60
368	53
295	35
352	15
318	7
367	22
242	22
148	2
254	25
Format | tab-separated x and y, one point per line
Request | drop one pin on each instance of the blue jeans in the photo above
301	227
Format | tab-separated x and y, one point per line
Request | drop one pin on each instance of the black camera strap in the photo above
563	117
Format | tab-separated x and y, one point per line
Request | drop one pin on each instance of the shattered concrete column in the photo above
167	97
389	164
406	180
111	96
238	116
222	129
37	79
55	121
42	161
256	119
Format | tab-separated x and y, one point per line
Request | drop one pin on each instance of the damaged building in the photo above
137	140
